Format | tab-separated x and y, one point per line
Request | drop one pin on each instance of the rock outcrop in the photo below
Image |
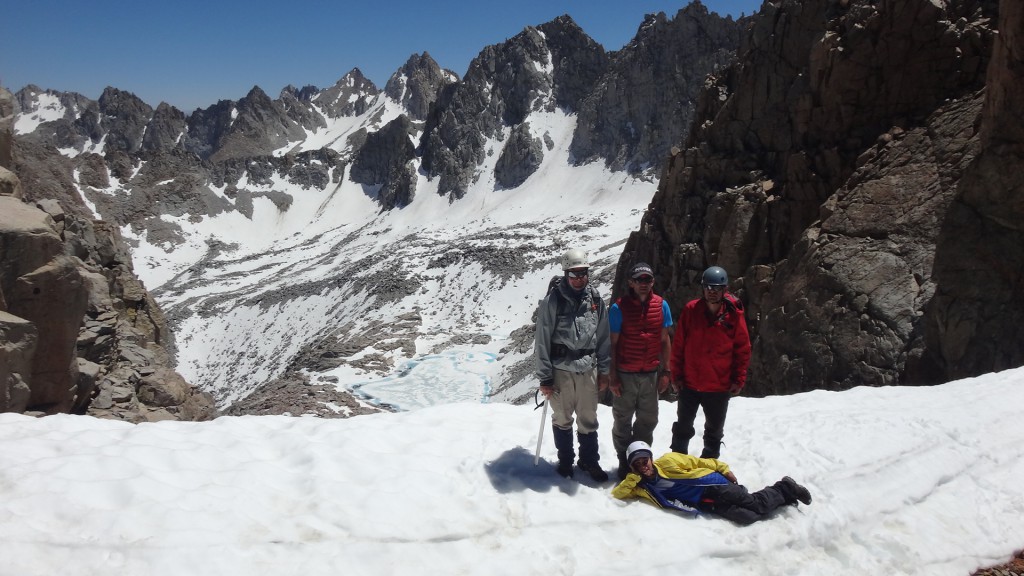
78	331
385	160
552	65
975	321
818	171
644	104
418	84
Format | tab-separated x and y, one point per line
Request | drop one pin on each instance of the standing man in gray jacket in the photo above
572	348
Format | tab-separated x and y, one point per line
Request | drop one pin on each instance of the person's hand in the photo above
731	477
602	382
616	387
663	382
735	388
547	388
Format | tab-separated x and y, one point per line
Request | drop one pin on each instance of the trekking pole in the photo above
540	433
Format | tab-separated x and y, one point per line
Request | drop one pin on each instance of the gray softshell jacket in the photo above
580	324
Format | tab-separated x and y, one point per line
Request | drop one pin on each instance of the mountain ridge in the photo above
236	186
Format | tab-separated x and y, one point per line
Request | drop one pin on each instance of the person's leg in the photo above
686	412
646	407
585	404
716	405
586	424
623	409
561	403
792	491
734	502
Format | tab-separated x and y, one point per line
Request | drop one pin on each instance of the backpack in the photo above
553	285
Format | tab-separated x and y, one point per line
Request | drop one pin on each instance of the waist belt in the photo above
561	352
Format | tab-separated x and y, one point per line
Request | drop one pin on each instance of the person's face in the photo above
578	277
642	286
714	294
643	466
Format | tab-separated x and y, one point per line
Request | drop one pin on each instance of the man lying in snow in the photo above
691	484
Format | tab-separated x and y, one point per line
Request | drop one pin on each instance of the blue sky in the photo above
192	53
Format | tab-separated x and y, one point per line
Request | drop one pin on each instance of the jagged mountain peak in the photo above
354	78
418	84
304	94
541	69
260	126
351	95
255	97
663	67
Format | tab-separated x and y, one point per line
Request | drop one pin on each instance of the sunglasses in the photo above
575	274
715	288
644	279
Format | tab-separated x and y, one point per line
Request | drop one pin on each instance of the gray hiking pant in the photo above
639	398
575	392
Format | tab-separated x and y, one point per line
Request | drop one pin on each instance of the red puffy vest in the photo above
639	347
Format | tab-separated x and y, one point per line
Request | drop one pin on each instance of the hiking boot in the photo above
594	470
565	469
623	468
794	491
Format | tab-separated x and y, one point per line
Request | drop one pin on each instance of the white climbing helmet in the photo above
574	258
638	449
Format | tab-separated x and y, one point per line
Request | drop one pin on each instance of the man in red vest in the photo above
639	323
710	356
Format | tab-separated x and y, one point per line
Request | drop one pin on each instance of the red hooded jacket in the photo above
710	354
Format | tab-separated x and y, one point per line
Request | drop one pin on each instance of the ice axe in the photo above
543	416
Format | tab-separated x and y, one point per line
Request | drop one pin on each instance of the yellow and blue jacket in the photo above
679	483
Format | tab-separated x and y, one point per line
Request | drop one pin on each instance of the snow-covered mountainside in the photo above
340	238
334	277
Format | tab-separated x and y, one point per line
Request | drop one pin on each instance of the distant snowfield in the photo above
289	278
906	480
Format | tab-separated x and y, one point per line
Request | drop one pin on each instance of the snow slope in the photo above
905	481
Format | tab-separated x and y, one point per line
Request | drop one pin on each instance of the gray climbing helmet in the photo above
575	258
715	276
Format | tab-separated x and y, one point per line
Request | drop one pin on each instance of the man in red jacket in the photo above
710	355
639	323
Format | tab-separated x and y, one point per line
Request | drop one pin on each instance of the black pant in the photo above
715	404
734	502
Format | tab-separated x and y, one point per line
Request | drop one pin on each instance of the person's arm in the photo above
603	348
613	375
718	466
627	488
665	377
676	357
740	355
614	329
542	345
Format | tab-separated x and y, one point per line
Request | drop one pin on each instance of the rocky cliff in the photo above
644	103
78	331
975	321
826	171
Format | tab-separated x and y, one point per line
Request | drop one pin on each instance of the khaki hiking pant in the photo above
639	398
575	392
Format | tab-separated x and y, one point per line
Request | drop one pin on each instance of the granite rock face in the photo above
975	322
78	331
644	104
418	84
385	160
819	171
552	65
